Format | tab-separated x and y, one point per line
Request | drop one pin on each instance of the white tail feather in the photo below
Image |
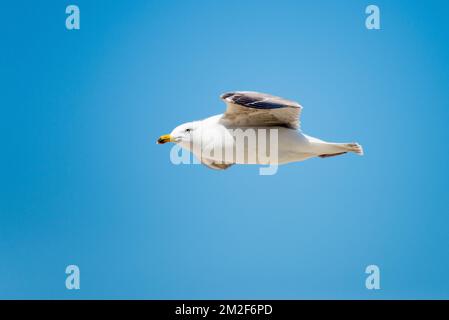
353	147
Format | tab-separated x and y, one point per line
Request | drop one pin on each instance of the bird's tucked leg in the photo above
331	155
215	164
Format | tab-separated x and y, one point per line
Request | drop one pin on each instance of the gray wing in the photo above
247	108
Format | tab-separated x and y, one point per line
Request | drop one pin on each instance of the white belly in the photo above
264	145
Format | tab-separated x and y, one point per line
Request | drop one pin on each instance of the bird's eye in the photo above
188	130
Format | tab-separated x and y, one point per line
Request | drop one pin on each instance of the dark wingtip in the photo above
226	95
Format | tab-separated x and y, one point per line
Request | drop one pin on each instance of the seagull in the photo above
249	110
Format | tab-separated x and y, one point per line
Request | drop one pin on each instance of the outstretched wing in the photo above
247	108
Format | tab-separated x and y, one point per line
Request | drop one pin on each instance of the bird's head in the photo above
182	134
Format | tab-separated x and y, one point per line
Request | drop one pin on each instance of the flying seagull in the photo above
258	112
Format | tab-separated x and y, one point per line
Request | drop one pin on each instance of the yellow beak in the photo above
164	139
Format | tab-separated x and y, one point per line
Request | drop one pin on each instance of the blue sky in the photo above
84	183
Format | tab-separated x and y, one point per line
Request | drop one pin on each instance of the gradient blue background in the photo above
83	182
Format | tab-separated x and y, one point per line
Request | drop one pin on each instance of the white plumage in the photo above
250	119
